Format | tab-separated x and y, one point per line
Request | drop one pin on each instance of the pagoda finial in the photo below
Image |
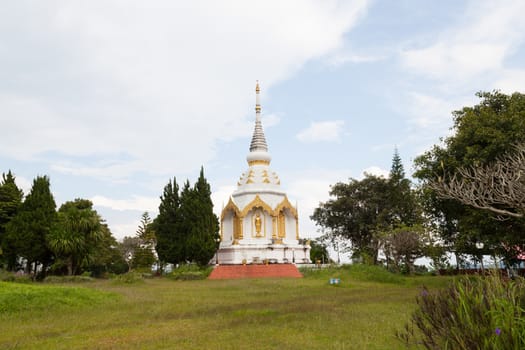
257	102
258	140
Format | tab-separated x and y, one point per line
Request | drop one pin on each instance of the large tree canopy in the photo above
365	211
482	134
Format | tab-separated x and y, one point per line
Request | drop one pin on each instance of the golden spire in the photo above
257	104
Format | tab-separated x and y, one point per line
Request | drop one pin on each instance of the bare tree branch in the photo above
498	187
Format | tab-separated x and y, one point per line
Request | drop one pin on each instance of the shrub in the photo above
68	279
190	272
129	278
471	313
7	276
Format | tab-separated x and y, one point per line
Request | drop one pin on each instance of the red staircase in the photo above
254	271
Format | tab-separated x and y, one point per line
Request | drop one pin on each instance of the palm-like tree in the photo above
78	230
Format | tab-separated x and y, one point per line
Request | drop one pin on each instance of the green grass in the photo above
363	312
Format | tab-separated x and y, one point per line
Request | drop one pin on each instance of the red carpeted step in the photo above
254	271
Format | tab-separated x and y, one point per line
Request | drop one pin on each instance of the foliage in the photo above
144	256
8	276
186	227
356	212
472	313
27	232
169	243
105	258
10	201
363	211
319	252
127	249
77	234
68	279
482	133
187	272
498	187
129	278
199	223
402	246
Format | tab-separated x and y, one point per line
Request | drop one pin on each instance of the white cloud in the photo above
375	170
23	184
343	58
220	198
308	189
136	203
511	80
428	111
488	33
159	82
322	131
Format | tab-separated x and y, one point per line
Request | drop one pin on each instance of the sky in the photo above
112	99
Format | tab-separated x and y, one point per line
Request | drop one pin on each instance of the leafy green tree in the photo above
319	252
128	248
482	133
364	211
358	212
403	245
76	237
26	233
10	201
106	257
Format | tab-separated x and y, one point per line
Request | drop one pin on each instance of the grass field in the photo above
361	313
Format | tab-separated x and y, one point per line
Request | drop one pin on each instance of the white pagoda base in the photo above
260	253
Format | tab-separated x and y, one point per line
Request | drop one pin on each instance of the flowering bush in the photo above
472	313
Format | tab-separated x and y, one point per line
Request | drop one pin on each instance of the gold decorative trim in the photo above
285	204
258	162
230	207
256	202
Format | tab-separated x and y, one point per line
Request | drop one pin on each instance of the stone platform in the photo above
254	271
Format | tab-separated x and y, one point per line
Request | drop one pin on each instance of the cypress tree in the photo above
10	201
203	242
28	230
165	225
199	225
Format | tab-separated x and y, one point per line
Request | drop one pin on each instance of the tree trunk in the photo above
70	266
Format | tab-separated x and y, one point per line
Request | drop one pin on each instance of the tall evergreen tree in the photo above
166	225
186	228
144	256
204	225
10	201
402	199
28	230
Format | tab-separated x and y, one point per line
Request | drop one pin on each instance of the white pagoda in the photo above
259	224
